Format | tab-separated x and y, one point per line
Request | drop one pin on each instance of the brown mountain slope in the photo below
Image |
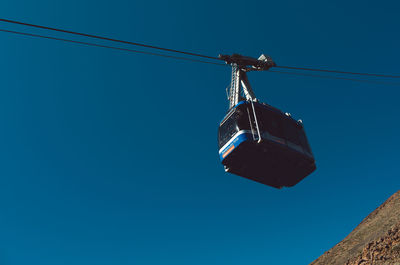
376	240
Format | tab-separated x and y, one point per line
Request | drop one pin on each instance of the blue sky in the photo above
111	158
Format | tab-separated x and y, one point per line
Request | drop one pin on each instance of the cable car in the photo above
258	141
261	143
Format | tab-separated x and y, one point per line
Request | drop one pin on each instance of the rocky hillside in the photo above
376	240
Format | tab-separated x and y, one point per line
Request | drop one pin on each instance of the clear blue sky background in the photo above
111	158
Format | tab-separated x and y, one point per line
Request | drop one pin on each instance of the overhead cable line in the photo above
336	77
109	47
187	53
106	38
186	59
336	71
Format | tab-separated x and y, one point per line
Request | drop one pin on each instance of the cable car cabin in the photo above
280	157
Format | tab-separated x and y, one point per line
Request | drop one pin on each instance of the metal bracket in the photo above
247	90
240	65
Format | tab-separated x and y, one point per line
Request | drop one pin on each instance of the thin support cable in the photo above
337	72
336	77
108	47
106	38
